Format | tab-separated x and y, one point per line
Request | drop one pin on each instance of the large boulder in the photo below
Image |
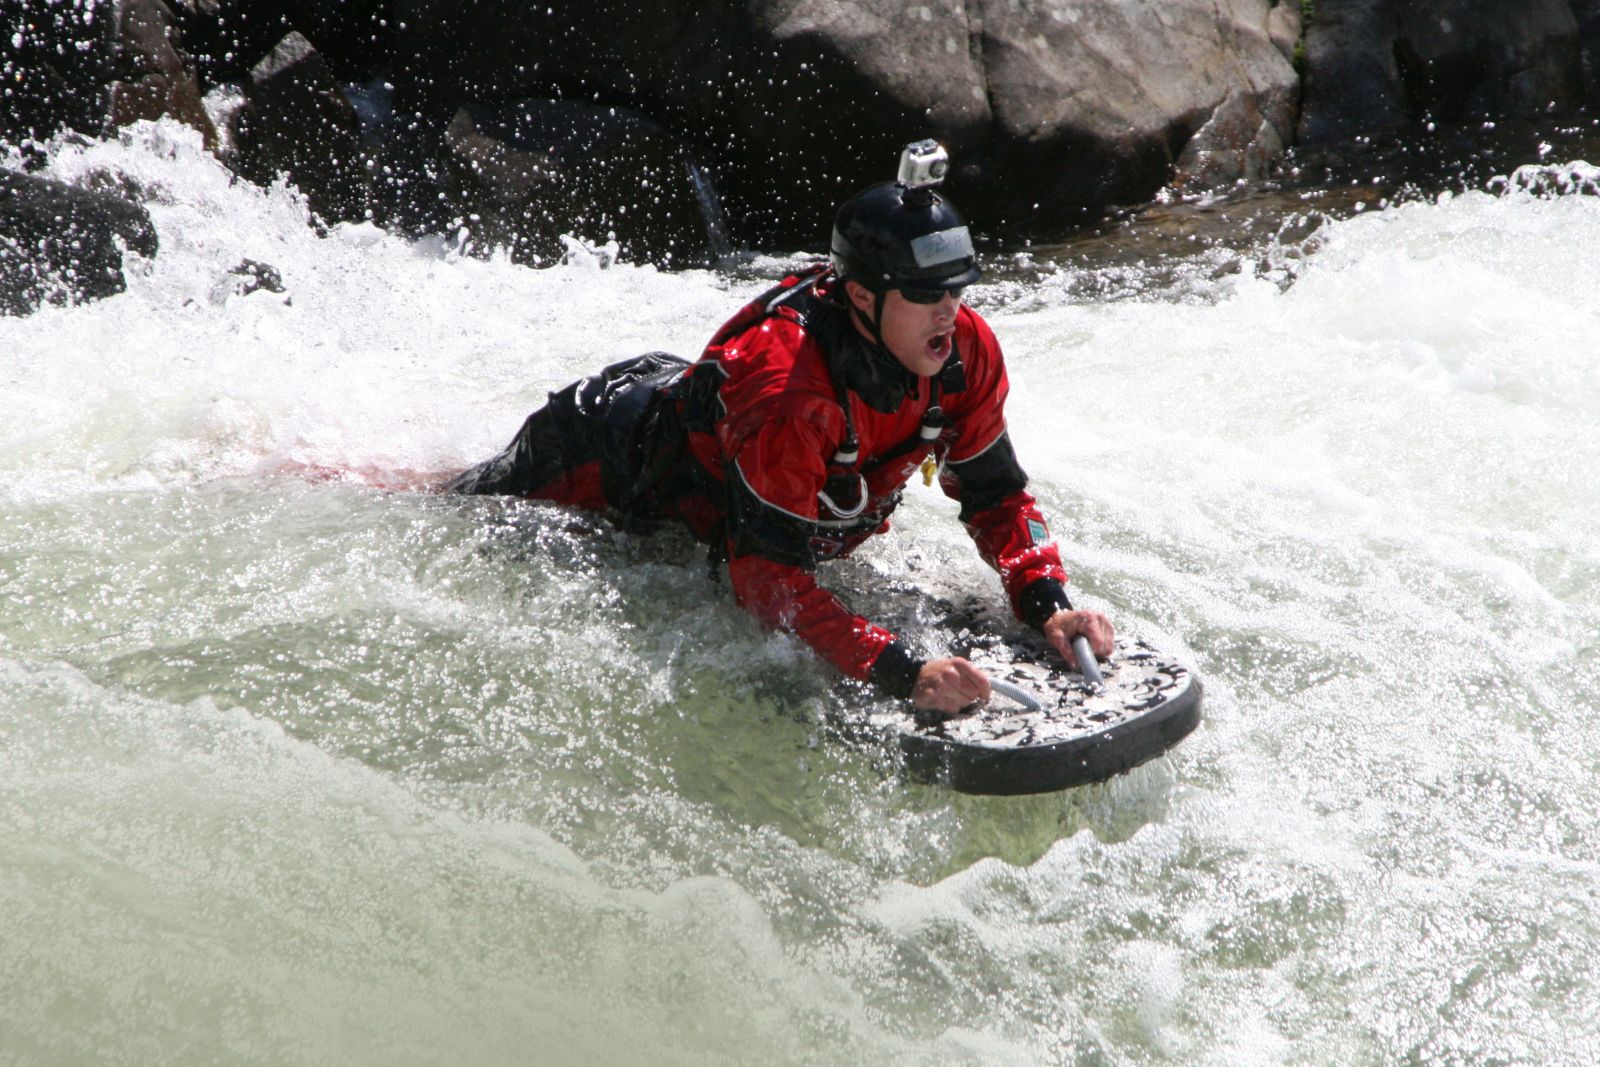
1375	65
154	77
524	175
1053	110
59	243
296	121
1098	103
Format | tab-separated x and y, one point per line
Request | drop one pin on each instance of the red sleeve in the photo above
983	474
977	411
788	597
777	471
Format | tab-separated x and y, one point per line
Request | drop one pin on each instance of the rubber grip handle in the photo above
1016	693
1086	662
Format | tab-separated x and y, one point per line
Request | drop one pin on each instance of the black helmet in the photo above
902	234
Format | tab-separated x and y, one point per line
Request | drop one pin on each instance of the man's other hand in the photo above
1063	626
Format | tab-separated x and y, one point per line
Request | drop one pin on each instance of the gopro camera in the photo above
923	163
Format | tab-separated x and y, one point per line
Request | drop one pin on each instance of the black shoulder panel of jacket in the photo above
756	528
988	478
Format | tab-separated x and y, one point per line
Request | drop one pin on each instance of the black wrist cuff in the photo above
895	670
1041	599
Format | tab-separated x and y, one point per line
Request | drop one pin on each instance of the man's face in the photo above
919	336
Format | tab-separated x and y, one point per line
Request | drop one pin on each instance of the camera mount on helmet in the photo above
922	166
904	234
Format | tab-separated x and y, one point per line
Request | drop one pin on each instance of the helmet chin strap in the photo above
873	325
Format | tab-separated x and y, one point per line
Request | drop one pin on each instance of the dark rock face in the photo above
1529	52
94	65
1352	80
61	243
1050	110
296	120
228	37
1587	14
55	66
524	175
529	120
1373	65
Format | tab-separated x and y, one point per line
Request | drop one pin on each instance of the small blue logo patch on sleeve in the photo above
1037	531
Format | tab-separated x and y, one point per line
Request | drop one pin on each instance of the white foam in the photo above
1362	506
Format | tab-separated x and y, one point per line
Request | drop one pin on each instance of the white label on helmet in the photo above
946	246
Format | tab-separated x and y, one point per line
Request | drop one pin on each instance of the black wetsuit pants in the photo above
590	446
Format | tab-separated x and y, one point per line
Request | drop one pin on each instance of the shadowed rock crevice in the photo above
534	171
1374	66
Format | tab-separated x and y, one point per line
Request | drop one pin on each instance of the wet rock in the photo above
1057	113
1423	163
59	243
1240	141
1096	104
154	77
1375	65
523	175
250	276
297	121
1053	110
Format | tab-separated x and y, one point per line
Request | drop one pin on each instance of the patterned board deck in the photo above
1147	703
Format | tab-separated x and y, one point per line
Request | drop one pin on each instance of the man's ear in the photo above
860	296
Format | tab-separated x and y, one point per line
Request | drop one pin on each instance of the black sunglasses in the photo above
930	296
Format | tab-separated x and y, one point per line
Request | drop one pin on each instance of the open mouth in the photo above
939	344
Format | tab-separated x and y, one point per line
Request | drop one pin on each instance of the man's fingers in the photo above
948	685
971	680
1101	636
962	683
1090	625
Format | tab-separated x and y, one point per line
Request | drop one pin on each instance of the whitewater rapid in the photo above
296	769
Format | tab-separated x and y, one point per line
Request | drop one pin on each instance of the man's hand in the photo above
1063	626
948	685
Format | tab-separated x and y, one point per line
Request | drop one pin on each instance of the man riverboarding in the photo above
789	441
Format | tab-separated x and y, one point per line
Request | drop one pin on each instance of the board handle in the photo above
1016	693
1086	662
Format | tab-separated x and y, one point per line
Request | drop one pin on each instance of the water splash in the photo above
718	235
268	745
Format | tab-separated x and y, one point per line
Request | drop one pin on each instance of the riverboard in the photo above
1146	703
